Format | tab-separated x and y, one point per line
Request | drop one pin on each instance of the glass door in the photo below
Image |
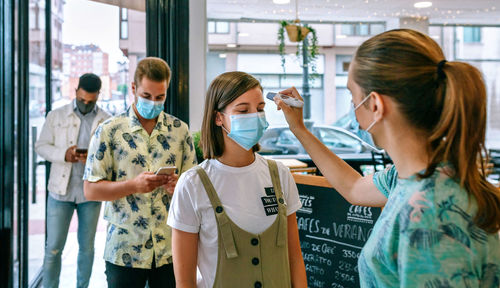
55	42
36	113
80	45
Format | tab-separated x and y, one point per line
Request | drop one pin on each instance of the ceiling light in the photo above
243	34
231	45
422	4
222	55
281	1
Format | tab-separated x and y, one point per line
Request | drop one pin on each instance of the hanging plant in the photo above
299	33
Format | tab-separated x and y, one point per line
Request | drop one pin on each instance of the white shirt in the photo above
241	191
60	131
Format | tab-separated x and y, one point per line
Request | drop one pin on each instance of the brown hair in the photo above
153	68
222	91
448	103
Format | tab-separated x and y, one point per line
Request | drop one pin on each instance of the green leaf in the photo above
425	238
453	231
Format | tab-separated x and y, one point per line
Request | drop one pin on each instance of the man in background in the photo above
63	141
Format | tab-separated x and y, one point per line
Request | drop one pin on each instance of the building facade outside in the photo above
252	46
132	43
83	59
244	45
37	52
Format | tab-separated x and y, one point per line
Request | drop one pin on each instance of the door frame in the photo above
167	30
7	125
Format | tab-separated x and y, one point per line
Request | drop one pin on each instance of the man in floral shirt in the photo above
122	159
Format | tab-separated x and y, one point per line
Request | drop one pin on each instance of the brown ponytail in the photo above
459	139
448	103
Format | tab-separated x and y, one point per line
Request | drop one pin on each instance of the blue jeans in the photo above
59	215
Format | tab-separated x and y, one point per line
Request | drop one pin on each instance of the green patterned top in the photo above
120	150
425	236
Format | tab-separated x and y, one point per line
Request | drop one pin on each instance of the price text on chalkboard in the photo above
332	233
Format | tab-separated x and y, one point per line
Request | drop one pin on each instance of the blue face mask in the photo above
363	134
354	126
247	129
149	109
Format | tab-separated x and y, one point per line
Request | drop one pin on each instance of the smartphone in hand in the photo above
166	170
81	150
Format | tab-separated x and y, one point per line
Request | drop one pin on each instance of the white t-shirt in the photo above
242	192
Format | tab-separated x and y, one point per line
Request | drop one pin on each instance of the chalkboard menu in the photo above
332	233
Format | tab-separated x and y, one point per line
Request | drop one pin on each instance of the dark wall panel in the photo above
167	37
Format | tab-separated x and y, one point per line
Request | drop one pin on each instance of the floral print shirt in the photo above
426	237
120	150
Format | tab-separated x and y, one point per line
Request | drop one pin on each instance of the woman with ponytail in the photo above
441	217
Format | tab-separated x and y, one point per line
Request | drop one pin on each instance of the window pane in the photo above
475	43
342	64
472	34
269	81
347	29
316	81
291	80
221	27
211	27
363	29
215	65
124	30
341	81
376	29
124	14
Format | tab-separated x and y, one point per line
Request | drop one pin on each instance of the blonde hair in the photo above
403	64
223	90
153	68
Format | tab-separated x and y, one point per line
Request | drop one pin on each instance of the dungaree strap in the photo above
220	215
275	178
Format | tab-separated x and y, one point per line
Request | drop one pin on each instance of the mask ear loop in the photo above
225	130
359	105
222	125
371	125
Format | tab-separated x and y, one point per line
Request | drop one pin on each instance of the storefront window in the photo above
472	34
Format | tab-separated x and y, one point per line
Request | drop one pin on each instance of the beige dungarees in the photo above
246	259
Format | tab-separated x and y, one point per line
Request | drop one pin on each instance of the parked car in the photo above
348	122
281	141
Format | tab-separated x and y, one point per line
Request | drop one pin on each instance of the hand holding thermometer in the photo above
290	101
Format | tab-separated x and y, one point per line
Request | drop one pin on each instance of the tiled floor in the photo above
70	254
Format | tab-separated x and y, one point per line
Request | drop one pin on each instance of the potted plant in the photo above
298	33
197	147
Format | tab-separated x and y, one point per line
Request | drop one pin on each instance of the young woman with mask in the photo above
439	226
233	216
